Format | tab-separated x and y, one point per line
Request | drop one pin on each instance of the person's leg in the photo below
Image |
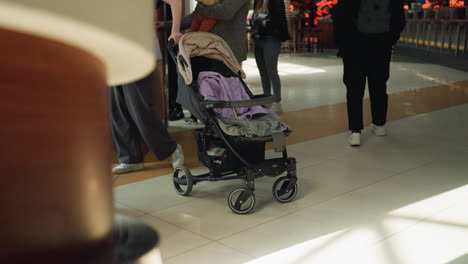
378	74
354	79
259	50
124	131
272	49
138	96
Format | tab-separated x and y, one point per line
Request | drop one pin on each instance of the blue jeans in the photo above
266	55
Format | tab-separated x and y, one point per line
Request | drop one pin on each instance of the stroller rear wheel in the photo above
283	189
183	180
241	201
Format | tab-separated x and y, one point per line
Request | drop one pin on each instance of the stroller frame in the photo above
241	200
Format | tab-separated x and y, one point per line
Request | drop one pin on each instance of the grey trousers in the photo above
133	118
266	55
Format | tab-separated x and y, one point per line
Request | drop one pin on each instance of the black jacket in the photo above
345	15
158	3
277	26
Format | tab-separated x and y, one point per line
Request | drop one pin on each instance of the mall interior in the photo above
395	199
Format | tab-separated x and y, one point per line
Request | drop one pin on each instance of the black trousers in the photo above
134	118
366	58
172	83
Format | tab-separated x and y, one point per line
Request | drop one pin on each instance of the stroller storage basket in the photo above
213	152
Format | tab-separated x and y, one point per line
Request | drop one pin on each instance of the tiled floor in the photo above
398	199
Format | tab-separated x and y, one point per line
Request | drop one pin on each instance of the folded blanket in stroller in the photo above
243	121
215	87
261	126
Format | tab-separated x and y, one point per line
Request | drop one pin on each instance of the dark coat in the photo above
231	16
345	15
277	26
158	3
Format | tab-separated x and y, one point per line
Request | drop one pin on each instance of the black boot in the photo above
176	113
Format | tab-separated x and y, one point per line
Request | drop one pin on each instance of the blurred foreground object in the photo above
58	58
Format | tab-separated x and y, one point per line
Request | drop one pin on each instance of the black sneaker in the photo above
176	114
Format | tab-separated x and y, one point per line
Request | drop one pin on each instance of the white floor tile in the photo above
422	192
126	210
273	236
213	253
449	125
442	239
344	233
327	180
212	218
173	239
323	149
294	239
151	195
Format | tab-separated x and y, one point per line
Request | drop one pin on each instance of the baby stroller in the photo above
227	157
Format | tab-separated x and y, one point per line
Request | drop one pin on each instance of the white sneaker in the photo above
354	139
178	157
276	107
378	130
190	122
125	168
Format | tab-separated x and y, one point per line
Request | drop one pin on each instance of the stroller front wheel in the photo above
241	201
183	180
284	190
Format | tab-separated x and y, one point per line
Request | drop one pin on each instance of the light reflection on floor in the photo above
357	244
284	69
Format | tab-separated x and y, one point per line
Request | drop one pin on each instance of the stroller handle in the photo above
256	100
172	50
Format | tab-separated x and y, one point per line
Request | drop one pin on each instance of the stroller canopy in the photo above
208	45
